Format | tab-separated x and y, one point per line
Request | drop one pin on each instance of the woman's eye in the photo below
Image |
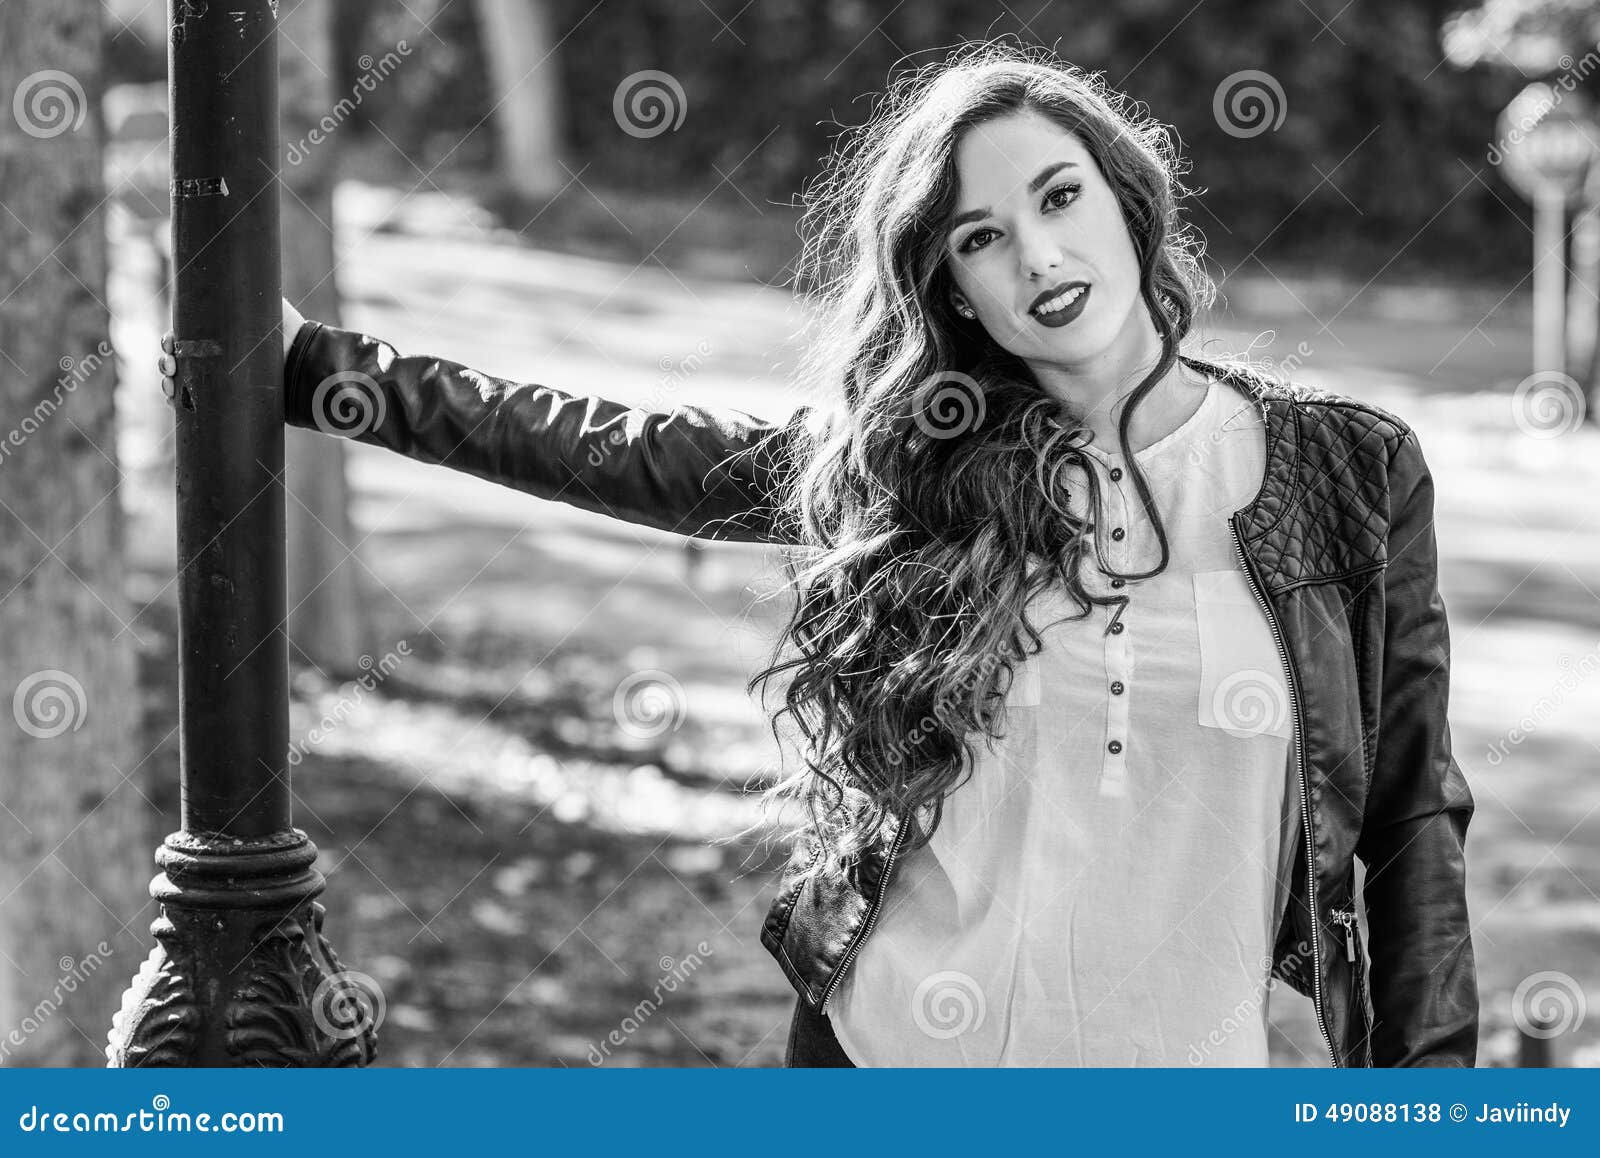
967	246
1058	198
1073	189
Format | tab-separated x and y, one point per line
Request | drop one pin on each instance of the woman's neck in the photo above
1096	401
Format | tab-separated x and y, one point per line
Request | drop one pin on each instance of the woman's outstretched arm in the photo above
711	473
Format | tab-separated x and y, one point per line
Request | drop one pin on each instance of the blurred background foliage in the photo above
1380	162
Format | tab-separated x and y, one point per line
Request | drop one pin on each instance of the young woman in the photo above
1108	661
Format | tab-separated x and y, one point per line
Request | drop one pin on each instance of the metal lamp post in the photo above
240	974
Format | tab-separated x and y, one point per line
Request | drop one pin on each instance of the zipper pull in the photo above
1347	919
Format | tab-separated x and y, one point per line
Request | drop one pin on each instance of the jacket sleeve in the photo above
694	470
1423	976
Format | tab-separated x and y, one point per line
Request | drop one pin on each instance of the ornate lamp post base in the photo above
241	974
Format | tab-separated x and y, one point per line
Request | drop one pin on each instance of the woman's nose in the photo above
1038	252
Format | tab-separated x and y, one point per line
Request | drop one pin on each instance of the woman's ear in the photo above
962	307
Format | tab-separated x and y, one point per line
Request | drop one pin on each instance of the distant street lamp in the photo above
1545	146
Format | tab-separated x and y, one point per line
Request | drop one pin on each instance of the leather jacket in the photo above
1338	547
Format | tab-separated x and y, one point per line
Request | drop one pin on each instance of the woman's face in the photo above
1034	215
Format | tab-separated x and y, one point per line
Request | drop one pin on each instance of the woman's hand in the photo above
168	362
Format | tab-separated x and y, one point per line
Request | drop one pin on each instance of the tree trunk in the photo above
326	623
520	44
75	831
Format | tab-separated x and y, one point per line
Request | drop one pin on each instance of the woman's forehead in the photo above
1001	158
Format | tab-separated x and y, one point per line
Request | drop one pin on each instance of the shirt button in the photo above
1119	583
1118	533
1116	687
1114	747
1116	628
1116	473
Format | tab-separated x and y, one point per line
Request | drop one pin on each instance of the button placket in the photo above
1113	762
1113	767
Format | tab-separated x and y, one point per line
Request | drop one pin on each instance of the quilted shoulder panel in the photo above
1324	511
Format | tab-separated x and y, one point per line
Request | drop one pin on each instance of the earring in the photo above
968	312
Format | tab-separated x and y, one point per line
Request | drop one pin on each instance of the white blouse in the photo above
1106	888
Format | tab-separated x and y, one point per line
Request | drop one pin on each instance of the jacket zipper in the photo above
1352	952
1305	791
872	918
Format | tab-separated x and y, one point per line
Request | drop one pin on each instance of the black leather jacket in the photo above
1338	546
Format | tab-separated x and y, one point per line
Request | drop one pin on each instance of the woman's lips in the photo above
1063	317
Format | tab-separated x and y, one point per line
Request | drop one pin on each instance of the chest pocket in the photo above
1242	685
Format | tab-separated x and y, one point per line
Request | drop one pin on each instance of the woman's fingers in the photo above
167	363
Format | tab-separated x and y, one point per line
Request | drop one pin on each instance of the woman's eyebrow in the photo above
1033	187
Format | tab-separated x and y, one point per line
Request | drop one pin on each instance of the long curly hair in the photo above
928	507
